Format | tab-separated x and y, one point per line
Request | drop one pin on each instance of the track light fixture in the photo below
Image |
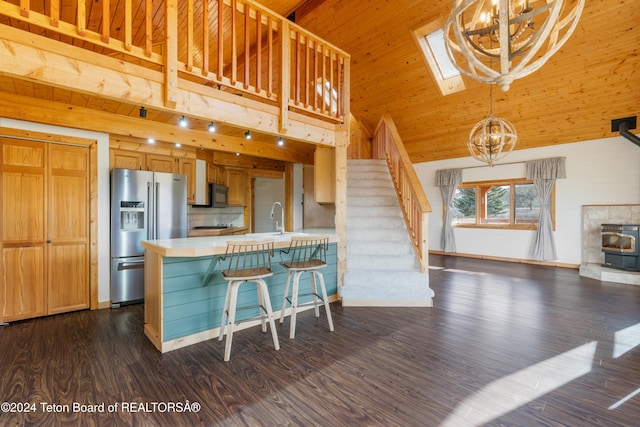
182	122
151	141
212	127
280	141
143	112
247	134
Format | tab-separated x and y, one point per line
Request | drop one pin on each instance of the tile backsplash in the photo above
198	217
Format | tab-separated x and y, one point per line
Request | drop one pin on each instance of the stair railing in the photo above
388	145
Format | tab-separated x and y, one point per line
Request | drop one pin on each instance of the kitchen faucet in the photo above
281	227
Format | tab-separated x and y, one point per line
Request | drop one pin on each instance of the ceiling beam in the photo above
59	114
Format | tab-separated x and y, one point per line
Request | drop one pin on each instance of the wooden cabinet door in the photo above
324	175
236	182
68	228
160	163
45	229
125	159
188	167
23	287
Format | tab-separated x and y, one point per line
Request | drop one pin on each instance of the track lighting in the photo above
182	122
212	127
247	134
151	141
280	141
143	112
178	145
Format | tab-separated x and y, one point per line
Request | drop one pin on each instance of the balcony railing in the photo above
413	201
234	45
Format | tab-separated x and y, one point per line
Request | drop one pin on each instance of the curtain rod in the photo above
488	166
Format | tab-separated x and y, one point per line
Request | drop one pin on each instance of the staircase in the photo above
381	264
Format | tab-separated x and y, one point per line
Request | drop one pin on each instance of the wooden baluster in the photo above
220	40
331	82
128	18
247	44
234	58
269	56
106	20
148	34
82	12
315	74
297	67
324	78
24	8
306	71
189	60
258	51
54	17
205	37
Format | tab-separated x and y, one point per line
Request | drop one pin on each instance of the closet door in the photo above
67	228
23	287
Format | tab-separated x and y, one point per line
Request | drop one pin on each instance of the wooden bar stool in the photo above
246	261
308	255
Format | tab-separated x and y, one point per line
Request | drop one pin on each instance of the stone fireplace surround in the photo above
592	256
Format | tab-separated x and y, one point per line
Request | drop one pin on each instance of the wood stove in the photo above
621	246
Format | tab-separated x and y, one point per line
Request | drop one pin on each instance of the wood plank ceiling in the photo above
594	78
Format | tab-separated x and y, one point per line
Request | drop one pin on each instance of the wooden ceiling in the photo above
593	79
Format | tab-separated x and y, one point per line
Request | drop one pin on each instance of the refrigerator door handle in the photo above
155	211
150	208
130	265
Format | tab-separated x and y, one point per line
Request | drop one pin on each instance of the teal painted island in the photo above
184	290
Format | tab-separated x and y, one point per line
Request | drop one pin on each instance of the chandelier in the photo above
491	139
498	41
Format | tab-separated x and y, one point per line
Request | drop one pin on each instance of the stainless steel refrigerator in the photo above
144	206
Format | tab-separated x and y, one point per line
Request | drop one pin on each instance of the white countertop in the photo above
216	245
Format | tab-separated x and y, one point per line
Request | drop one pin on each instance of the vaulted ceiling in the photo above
593	79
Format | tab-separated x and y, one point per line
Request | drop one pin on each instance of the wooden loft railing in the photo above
415	206
236	45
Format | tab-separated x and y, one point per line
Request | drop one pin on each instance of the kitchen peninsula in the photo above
184	290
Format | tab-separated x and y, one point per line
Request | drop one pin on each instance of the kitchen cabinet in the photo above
161	163
129	159
45	229
126	159
324	175
235	180
188	168
217	174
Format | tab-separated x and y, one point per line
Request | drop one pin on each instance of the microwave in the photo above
218	197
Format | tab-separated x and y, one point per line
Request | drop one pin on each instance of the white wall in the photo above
267	191
603	171
104	281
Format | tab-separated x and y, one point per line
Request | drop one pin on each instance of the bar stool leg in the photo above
286	295
232	318
294	303
314	292
261	306
267	302
225	311
326	302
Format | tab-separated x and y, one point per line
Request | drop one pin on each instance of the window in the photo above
430	39
498	204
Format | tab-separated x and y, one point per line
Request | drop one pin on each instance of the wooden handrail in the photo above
231	44
388	145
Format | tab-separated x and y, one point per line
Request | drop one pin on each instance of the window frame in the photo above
512	205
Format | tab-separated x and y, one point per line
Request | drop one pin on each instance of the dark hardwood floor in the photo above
504	345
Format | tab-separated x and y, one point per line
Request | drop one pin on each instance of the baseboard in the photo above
387	303
516	260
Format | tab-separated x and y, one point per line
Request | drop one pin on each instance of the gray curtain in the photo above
544	173
448	180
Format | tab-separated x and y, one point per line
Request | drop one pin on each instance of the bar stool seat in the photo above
246	261
308	255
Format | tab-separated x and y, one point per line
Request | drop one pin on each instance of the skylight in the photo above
430	39
439	51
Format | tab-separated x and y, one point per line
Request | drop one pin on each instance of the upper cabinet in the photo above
324	175
157	159
235	178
